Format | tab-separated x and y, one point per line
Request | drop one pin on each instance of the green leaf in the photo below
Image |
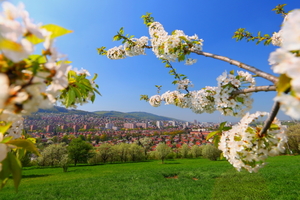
226	128
77	92
283	84
33	140
64	62
6	139
216	140
70	97
240	99
37	58
95	76
25	144
116	38
16	169
5	172
181	57
20	153
232	72
93	98
237	138
121	31
10	45
4	128
222	125
274	127
56	31
211	134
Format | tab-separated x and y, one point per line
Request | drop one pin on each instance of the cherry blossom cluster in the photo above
165	46
28	82
171	47
244	148
233	105
133	47
276	38
25	90
175	98
184	84
202	101
286	61
210	99
199	101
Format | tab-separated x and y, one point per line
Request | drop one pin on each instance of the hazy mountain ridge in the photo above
135	115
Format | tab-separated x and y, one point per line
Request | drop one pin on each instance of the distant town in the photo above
60	127
52	127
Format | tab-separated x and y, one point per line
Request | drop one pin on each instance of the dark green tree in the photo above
79	150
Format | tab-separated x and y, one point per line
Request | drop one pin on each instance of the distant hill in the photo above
62	110
134	115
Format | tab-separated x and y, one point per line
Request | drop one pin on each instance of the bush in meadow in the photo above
211	152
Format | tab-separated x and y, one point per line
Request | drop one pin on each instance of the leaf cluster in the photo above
241	34
279	9
148	20
216	135
79	89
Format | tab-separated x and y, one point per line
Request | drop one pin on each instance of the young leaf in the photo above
25	144
211	134
70	97
15	168
283	84
5	172
222	125
56	31
4	128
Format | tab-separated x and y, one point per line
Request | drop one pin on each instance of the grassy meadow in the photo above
176	179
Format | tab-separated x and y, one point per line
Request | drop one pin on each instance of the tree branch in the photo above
270	119
272	116
254	70
265	88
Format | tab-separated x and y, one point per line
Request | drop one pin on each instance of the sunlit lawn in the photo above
177	179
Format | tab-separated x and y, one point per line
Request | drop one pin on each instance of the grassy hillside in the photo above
177	179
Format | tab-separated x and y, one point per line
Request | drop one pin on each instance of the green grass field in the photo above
177	179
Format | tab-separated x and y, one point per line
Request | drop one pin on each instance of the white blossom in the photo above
244	148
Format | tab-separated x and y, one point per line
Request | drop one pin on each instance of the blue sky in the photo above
122	82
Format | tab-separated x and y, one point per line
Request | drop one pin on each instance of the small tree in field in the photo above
122	151
184	150
162	150
136	152
293	134
105	152
211	152
79	150
196	151
54	155
146	143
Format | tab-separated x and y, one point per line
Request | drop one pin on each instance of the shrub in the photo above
52	155
136	152
211	152
196	151
171	155
293	134
162	150
184	150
